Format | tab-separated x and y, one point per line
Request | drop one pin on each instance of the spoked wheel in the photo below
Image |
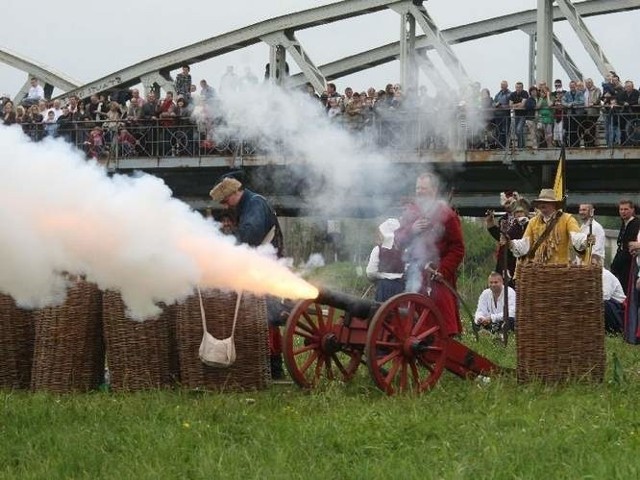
311	348
406	344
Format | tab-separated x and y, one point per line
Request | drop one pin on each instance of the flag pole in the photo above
559	184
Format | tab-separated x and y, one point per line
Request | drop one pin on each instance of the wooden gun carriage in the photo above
402	341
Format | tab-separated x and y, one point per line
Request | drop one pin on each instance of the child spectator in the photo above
50	125
94	143
126	143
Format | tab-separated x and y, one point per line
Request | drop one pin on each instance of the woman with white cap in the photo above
386	267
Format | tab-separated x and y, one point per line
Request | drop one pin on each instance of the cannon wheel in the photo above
406	345
311	349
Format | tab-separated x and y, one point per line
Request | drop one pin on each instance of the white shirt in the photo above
374	265
598	232
56	113
36	93
488	307
611	288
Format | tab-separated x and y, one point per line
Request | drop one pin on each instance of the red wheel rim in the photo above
406	345
311	350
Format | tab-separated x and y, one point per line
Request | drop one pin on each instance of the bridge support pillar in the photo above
433	33
408	69
544	42
532	58
277	64
288	42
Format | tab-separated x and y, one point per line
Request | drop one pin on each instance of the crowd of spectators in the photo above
541	116
116	120
585	115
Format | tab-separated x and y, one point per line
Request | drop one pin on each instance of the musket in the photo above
588	253
438	278
505	287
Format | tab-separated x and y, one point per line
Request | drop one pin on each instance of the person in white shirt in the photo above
588	222
490	311
386	267
614	298
34	94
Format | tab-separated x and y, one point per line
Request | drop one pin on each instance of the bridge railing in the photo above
391	130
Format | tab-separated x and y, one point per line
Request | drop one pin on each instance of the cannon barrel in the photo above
355	306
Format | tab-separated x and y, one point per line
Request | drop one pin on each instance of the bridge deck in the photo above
474	177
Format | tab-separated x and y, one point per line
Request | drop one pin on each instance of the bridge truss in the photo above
280	34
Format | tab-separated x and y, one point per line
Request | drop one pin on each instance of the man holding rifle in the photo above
550	235
590	226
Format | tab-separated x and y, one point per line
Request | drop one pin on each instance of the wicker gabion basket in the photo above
560	323
17	332
141	355
251	370
69	348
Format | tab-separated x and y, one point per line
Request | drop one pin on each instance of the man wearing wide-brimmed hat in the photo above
552	235
257	225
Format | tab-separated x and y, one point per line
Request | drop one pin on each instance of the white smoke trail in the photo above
290	123
60	213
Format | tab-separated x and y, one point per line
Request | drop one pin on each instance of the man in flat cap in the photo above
550	235
257	225
257	221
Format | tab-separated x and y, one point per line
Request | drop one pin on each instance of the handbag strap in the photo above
235	314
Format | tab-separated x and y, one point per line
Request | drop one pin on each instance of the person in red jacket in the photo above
431	233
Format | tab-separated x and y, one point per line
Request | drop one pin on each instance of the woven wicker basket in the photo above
140	355
251	370
69	349
17	331
560	323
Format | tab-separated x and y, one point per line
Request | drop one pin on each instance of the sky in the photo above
88	40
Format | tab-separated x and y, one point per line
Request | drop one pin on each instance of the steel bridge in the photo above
601	175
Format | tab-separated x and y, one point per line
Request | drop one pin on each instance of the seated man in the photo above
490	311
614	298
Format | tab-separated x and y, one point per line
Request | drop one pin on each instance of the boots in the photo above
277	372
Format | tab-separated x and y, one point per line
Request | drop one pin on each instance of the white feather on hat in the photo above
508	196
387	229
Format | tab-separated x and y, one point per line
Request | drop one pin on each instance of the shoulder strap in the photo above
547	231
269	236
235	315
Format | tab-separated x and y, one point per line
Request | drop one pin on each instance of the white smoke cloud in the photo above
315	260
60	213
289	123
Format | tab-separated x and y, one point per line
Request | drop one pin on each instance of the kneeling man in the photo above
490	311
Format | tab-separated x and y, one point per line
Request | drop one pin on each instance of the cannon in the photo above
402	341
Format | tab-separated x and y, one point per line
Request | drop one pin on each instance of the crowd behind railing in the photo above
189	122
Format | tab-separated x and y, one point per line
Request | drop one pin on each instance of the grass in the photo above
461	429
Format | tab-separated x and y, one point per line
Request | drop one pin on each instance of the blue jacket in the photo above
255	220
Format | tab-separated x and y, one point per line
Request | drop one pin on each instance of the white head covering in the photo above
387	228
